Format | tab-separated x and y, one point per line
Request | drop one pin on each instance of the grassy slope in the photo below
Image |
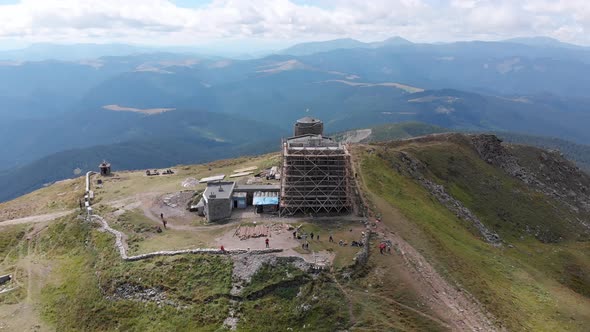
402	130
60	196
578	153
527	287
87	271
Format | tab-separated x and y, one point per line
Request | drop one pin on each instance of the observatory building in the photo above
316	172
308	126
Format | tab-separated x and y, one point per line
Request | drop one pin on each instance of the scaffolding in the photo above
316	176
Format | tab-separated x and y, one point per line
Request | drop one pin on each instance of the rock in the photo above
415	168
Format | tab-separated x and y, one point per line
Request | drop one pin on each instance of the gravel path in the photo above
36	219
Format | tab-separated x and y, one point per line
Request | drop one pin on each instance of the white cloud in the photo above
161	22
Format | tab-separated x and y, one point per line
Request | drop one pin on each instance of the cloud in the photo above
162	22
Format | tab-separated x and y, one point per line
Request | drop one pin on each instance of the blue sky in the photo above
260	24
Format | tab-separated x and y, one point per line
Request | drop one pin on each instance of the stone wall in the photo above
121	247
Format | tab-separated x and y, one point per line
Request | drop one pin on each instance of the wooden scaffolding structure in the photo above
316	177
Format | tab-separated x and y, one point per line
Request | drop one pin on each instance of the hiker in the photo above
381	248
295	235
162	216
311	235
267	242
222	249
331	239
165	223
388	248
317	236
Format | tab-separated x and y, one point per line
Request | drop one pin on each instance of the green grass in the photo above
270	275
317	305
89	268
60	196
142	235
519	286
10	236
82	291
504	204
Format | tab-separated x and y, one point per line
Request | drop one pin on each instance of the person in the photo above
381	248
311	235
267	242
164	222
222	249
331	239
162	216
317	236
295	235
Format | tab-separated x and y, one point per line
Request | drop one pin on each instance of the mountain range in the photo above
529	86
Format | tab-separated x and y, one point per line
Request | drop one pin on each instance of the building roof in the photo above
308	141
257	187
308	119
212	178
219	190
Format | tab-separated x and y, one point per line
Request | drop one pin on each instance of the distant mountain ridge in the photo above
331	45
72	52
542	41
48	107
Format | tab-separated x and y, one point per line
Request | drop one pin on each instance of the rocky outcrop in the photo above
245	267
362	257
415	169
549	173
128	291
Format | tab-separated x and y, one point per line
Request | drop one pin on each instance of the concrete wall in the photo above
218	208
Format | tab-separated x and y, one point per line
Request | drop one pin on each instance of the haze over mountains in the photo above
124	98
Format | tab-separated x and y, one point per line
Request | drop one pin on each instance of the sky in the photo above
259	24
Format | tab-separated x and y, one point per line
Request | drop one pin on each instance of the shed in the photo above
250	189
266	201
239	199
105	168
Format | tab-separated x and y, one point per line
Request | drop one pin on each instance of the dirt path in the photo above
36	219
30	274
352	318
416	311
451	304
